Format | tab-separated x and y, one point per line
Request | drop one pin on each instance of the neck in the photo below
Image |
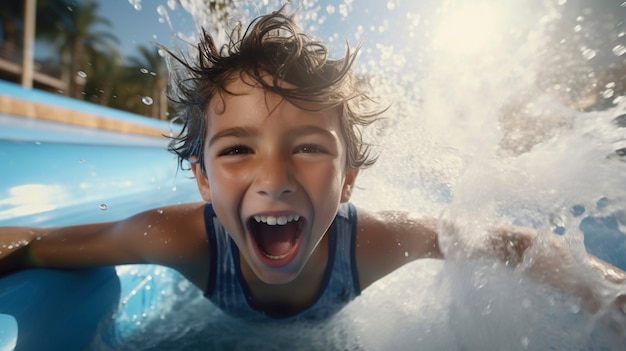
287	299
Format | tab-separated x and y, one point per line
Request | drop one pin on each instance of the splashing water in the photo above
499	114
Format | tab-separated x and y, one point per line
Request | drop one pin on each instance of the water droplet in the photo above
161	10
144	71
145	233
104	207
607	94
174	188
147	100
136	4
160	211
81	74
619	50
589	53
406	254
525	341
487	310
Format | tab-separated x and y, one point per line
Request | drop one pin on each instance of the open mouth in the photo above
277	238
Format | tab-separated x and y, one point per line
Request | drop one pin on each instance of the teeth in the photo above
280	220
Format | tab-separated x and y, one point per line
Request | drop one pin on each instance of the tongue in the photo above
276	240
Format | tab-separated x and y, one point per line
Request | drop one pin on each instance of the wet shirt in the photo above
229	291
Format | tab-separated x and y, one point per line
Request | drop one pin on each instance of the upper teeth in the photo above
280	220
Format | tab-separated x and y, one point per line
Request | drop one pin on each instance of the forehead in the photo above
244	99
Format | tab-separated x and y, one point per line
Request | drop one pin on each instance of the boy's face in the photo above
275	174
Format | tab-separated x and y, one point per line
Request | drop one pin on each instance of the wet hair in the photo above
271	45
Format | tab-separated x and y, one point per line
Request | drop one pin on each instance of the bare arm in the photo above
386	241
172	236
389	240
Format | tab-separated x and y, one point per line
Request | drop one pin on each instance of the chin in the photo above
276	278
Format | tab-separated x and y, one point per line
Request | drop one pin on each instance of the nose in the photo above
274	178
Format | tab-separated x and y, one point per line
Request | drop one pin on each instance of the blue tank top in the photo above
229	291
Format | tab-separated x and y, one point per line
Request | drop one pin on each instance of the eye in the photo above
310	149
235	150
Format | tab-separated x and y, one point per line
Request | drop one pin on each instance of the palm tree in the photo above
11	22
104	70
151	67
76	37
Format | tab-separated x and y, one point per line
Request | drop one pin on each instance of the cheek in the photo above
324	182
225	178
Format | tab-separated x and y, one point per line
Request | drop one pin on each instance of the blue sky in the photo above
396	33
142	26
331	20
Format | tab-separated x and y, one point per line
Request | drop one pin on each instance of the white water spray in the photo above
502	112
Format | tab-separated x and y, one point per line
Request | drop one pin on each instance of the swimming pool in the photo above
55	174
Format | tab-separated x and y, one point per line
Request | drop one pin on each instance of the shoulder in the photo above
169	235
179	226
175	236
388	240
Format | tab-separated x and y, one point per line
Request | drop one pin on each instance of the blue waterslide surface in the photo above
55	174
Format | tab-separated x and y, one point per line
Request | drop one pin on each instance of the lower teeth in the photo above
280	257
272	257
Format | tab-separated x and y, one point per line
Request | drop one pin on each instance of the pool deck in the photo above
40	105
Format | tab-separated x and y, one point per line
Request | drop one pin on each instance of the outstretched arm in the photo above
172	236
388	240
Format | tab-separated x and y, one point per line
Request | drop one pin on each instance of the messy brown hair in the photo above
272	44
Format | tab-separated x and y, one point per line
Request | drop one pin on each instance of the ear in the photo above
348	184
201	179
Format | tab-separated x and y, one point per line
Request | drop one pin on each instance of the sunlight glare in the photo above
27	199
469	29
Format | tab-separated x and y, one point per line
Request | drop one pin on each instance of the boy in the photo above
272	133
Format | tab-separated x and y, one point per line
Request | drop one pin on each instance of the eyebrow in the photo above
244	132
237	132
